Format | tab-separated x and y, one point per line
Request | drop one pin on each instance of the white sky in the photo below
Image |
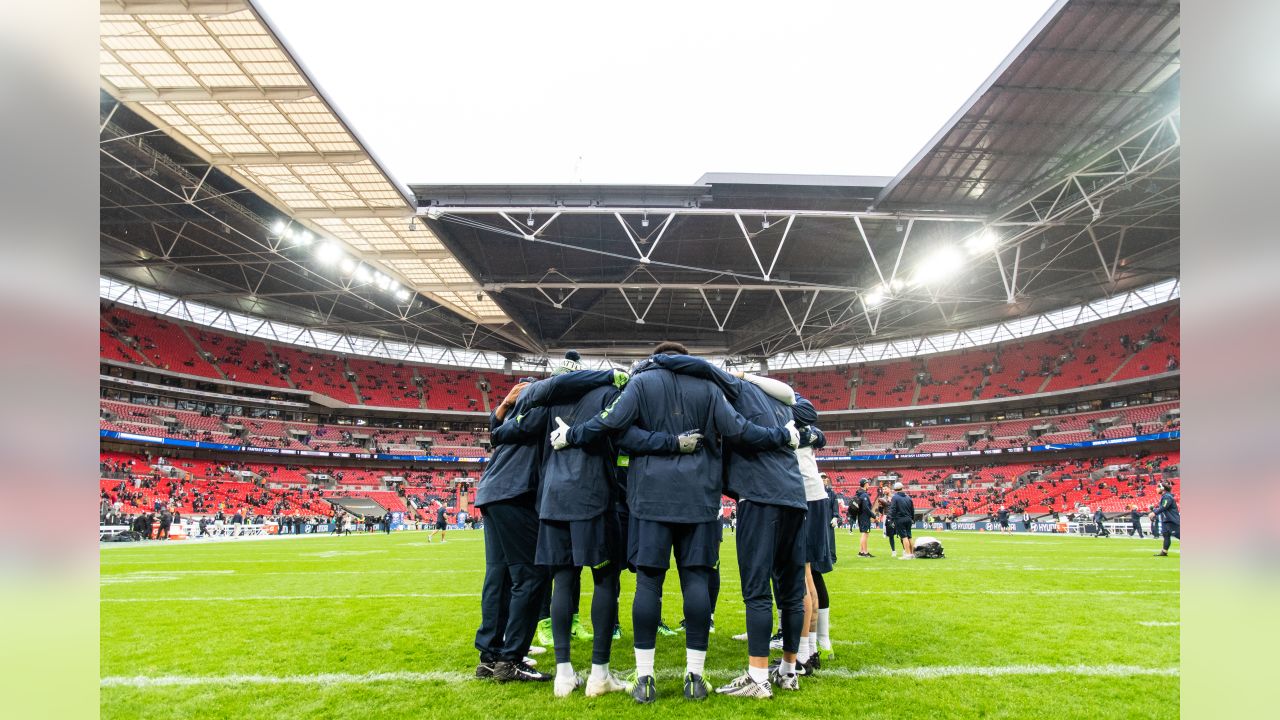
653	92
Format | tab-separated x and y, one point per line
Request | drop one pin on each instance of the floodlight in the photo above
362	274
348	266
644	221
434	213
874	298
529	222
305	237
983	242
937	266
764	224
393	286
328	253
402	295
278	228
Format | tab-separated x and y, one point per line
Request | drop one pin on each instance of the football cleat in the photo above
578	631
536	650
664	630
484	670
788	681
566	684
617	632
744	686
517	672
741	637
610	683
696	687
642	689
544	632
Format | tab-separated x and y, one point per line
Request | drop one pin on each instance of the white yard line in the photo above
917	673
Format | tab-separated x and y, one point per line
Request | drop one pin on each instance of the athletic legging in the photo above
604	609
713	587
646	610
824	600
545	611
1171	530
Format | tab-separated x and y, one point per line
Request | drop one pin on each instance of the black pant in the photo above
1137	528
510	535
771	552
1171	530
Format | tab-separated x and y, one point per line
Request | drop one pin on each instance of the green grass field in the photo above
375	626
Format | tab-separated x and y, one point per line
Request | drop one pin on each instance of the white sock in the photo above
786	668
695	661
564	669
824	628
813	643
599	672
758	674
644	662
802	654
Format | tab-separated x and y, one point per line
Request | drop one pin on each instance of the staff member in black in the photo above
513	584
902	512
1170	520
864	513
1135	520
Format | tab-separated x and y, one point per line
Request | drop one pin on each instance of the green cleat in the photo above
544	632
664	630
578	631
617	632
828	654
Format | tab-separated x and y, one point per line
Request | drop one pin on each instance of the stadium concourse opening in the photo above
310	372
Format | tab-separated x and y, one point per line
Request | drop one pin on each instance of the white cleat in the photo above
610	683
744	686
536	650
741	637
566	684
530	662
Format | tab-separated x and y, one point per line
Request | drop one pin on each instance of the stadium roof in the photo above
215	77
1056	184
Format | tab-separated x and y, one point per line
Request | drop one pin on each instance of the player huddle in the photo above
613	471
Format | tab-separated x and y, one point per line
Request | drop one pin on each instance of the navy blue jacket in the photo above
676	488
579	483
514	463
901	509
770	477
864	504
1167	510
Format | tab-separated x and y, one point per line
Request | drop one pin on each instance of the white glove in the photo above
689	441
560	436
835	523
795	434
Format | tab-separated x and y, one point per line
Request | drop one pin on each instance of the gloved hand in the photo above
835	523
560	436
620	379
689	441
795	434
806	437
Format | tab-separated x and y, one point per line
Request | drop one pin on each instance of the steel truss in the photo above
1077	199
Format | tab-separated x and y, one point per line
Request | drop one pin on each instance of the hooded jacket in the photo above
767	476
579	483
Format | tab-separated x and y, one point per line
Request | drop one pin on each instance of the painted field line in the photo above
1154	623
286	598
917	673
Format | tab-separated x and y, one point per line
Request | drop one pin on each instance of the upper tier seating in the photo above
1123	348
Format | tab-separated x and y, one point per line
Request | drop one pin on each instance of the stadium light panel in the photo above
305	237
937	266
347	266
402	295
328	253
982	243
875	297
362	274
278	228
